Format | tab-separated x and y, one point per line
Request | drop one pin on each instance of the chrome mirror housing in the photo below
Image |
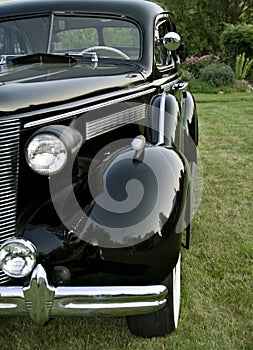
172	41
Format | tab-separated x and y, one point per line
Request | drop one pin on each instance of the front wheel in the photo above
164	321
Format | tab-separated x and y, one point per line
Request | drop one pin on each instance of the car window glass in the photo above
1	40
124	38
11	42
82	33
75	39
24	36
109	37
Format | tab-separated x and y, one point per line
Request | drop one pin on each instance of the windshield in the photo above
108	37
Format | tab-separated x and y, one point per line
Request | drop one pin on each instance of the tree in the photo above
201	21
237	40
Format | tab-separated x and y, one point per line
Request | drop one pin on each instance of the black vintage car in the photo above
98	137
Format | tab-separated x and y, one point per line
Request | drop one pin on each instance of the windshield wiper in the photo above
44	58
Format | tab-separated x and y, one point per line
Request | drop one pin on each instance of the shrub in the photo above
197	86
192	65
236	39
242	66
218	74
250	75
203	87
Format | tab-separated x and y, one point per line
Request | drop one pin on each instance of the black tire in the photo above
165	321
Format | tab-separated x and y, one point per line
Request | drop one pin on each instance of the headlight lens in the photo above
46	154
17	257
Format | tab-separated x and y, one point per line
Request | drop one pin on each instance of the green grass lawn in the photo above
217	271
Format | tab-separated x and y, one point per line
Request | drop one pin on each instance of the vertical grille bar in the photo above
9	152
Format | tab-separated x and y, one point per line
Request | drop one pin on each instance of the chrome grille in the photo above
9	151
116	120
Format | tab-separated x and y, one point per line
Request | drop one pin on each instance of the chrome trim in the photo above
102	125
180	85
52	17
169	85
42	301
9	153
3	59
22	248
161	138
87	109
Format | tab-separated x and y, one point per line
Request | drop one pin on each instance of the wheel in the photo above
164	321
107	48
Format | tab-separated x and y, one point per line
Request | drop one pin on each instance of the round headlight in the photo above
46	154
17	257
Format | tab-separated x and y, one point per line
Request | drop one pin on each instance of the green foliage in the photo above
203	87
82	38
197	86
237	39
76	39
201	22
242	86
121	37
242	66
218	74
250	75
192	65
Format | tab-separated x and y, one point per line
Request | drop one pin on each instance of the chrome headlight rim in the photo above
45	162
17	251
60	144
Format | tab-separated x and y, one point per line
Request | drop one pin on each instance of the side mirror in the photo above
171	41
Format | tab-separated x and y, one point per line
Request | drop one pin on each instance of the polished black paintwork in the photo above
62	93
26	87
143	233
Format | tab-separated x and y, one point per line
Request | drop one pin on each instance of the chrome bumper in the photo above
42	301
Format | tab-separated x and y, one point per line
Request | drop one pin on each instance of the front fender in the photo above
137	208
138	198
190	118
164	118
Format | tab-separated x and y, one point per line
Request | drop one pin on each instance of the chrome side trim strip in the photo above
42	301
87	109
161	138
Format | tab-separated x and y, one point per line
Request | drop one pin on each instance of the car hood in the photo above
28	87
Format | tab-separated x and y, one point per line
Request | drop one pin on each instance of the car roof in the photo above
141	10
